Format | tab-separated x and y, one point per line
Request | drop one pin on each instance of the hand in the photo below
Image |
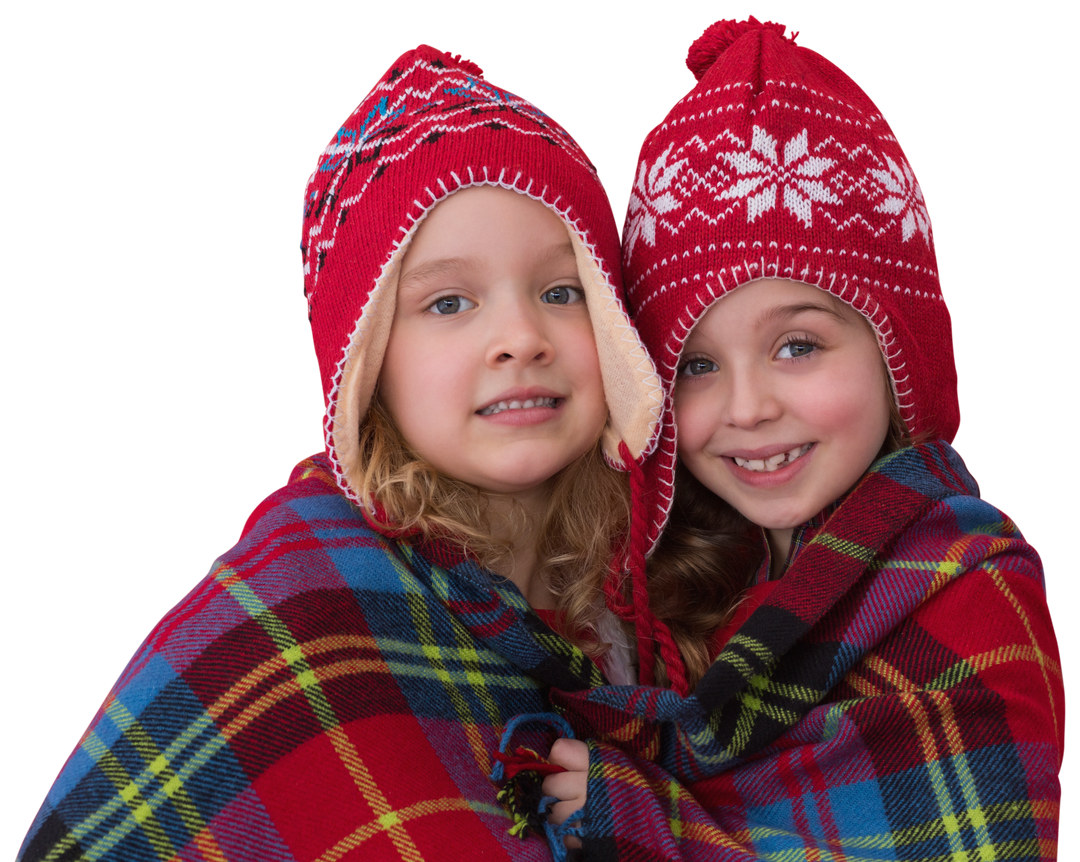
569	787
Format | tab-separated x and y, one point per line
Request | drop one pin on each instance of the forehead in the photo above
760	304
488	222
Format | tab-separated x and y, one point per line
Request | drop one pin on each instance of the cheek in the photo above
416	383
695	422
854	412
837	413
579	347
854	401
395	381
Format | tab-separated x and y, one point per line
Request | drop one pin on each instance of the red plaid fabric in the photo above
897	696
325	693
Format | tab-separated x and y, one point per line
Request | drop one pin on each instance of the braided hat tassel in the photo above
648	629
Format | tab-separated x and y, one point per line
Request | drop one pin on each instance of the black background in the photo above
171	382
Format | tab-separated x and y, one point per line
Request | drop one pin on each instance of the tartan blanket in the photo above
897	696
324	693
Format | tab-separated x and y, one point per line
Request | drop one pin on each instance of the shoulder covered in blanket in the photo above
897	696
323	693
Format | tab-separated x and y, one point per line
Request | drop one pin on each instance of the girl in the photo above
890	688
337	683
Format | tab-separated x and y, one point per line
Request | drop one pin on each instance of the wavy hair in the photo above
583	524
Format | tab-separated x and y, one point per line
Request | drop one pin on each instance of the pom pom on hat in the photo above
463	62
720	34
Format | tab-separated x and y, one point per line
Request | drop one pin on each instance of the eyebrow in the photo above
786	312
418	276
556	252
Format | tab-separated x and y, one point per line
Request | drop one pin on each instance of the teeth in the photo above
769	465
517	405
774	462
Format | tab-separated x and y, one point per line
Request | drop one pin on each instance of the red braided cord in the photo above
613	590
639	591
648	628
676	670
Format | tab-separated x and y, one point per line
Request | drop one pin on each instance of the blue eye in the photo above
562	295
451	305
697	367
796	350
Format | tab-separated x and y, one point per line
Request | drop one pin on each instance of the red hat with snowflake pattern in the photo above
777	165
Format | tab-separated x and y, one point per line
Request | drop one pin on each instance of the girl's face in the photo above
491	372
781	401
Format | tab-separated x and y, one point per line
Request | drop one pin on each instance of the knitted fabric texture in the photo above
431	126
776	165
324	693
863	711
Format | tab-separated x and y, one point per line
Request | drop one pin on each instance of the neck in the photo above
523	534
779	545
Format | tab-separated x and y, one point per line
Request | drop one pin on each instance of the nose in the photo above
748	399
517	334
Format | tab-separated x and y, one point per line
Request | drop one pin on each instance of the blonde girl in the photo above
337	685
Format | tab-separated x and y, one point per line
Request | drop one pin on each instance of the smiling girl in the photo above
491	306
338	683
887	685
782	402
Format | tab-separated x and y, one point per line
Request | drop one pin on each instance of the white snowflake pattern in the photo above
903	195
651	198
760	174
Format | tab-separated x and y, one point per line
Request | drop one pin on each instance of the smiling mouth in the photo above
771	465
499	407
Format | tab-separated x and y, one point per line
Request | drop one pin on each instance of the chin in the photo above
517	484
787	520
523	476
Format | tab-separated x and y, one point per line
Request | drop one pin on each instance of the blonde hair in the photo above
584	522
707	556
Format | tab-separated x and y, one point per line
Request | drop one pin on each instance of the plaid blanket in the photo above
897	696
324	693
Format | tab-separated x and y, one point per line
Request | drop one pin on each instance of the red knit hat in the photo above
776	165
430	127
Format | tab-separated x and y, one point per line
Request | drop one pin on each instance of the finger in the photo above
560	811
567	786
572	754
